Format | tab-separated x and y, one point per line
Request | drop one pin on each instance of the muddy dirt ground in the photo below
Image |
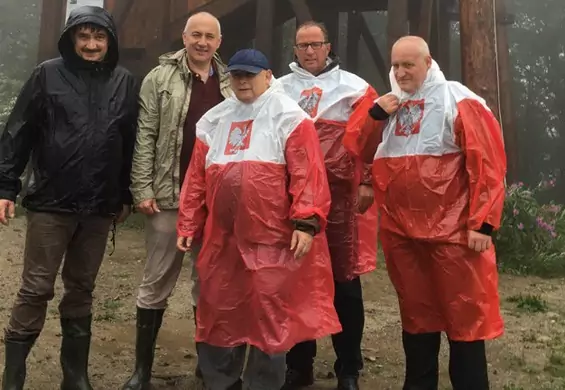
530	355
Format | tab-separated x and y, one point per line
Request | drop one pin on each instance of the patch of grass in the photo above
135	221
109	312
512	386
556	364
529	303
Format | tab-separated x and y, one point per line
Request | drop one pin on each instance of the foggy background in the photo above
537	51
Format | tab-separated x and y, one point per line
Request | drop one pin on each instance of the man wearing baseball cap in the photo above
257	183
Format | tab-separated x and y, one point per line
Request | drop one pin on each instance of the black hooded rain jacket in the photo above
77	120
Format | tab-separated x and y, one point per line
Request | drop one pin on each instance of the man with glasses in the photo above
338	102
257	183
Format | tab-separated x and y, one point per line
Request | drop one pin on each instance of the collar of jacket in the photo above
179	59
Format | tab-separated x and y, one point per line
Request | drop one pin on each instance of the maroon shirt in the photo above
203	97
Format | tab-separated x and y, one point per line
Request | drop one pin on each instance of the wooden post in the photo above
375	52
276	59
264	32
505	79
52	14
478	50
443	36
426	17
397	21
301	10
354	20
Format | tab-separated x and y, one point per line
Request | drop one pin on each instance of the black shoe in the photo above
237	385
148	325
16	351
297	379
75	349
348	383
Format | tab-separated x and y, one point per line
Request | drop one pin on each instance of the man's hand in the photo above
126	211
479	242
184	243
148	207
7	211
389	103
365	198
301	243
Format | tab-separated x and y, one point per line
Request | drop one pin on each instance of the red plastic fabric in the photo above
444	287
252	289
429	202
352	236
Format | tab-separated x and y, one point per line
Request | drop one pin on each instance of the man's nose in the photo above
91	44
309	50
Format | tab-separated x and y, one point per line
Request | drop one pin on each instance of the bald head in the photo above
411	60
412	43
205	17
202	37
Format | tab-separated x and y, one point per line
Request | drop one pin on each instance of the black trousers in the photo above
348	303
467	363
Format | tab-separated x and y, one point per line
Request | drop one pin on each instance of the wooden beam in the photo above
264	31
478	50
330	17
397	21
376	54
52	21
354	20
301	10
165	21
505	88
120	11
443	31
277	57
426	17
218	8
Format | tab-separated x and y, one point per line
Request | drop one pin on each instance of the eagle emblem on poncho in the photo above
239	137
409	118
310	100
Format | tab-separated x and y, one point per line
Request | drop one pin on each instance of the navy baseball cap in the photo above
248	60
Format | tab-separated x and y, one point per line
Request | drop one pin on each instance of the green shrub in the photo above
531	239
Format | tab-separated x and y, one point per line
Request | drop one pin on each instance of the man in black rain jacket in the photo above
76	118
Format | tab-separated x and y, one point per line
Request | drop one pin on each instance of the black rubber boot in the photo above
300	365
348	383
16	351
422	353
468	365
75	349
298	379
197	370
148	325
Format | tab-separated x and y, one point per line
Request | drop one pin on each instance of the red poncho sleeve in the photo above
192	205
480	137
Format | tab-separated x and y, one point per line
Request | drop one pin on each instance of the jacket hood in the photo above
89	15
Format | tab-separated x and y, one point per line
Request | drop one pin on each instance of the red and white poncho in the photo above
255	168
338	102
438	173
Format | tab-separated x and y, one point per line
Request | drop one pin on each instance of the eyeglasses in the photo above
314	45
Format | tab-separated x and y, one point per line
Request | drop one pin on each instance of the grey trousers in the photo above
164	262
222	368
